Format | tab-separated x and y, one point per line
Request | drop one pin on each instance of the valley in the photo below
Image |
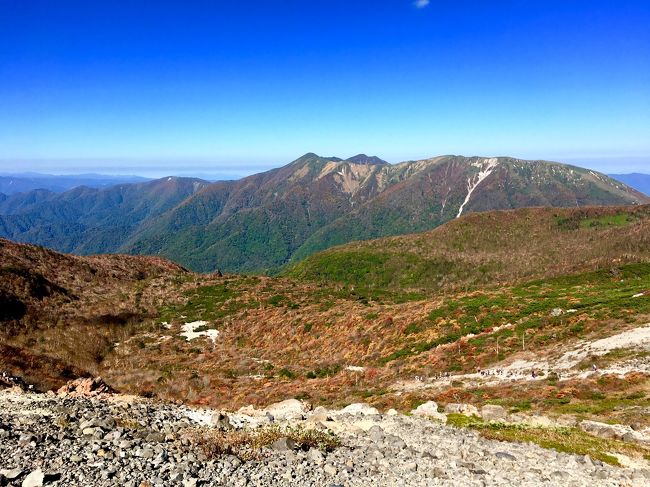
148	326
527	325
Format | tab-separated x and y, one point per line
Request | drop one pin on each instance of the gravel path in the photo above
135	442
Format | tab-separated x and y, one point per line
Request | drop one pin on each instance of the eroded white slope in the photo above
487	167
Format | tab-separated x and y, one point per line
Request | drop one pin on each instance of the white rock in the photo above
289	409
359	408
34	479
604	430
429	410
493	412
460	408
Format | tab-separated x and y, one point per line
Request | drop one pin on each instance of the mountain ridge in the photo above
263	221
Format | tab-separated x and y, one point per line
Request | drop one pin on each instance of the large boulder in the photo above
613	431
460	408
493	412
429	410
359	408
288	410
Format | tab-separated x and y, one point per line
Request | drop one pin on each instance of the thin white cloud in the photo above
421	3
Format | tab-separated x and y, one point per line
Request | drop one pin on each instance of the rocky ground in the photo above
109	439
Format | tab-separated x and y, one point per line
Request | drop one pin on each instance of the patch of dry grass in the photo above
248	444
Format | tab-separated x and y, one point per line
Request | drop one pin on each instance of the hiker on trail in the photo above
593	367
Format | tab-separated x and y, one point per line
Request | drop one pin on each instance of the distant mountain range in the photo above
90	220
266	220
638	181
21	182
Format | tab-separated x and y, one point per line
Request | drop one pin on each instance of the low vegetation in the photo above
520	245
248	444
565	440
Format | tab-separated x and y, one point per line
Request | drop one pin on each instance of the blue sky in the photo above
215	87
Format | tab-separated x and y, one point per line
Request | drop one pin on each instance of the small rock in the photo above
460	408
284	444
34	479
505	456
330	469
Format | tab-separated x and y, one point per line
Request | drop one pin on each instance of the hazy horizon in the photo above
222	170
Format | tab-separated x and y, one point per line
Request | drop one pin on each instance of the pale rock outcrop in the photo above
359	408
287	410
494	412
460	408
429	410
613	431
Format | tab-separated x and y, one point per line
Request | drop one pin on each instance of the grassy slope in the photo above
61	314
296	339
486	249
